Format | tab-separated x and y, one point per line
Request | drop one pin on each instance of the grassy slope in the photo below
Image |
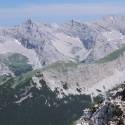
24	78
112	56
61	65
17	63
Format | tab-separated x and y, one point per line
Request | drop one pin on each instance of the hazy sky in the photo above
13	12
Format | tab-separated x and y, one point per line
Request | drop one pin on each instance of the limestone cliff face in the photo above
72	41
87	78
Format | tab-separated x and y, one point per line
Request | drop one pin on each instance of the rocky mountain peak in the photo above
29	22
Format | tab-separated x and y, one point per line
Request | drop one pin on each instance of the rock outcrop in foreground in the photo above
111	111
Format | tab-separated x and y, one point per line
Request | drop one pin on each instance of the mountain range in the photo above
57	66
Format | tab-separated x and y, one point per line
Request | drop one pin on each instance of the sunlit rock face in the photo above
72	41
